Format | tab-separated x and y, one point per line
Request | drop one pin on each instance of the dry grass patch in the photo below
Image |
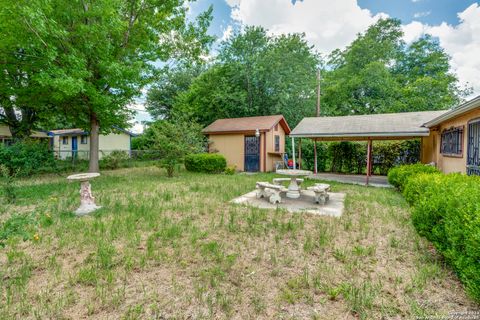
175	248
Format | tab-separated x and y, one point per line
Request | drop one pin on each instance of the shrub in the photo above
230	170
446	211
398	176
7	180
114	159
206	162
25	158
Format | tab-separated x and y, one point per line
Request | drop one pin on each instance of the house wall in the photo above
272	155
107	143
449	164
232	147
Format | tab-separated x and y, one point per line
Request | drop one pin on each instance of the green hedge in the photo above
446	211
398	176
205	162
26	158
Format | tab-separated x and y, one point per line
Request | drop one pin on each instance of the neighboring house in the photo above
6	135
67	143
454	141
250	144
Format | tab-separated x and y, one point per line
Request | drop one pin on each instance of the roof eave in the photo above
363	135
464	108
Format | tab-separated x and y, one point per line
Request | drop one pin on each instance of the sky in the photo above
332	24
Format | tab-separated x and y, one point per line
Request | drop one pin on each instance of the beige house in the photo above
6	135
68	143
250	144
454	140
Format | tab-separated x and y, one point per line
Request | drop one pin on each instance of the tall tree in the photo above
378	72
255	74
104	53
24	57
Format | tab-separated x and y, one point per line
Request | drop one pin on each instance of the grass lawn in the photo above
175	248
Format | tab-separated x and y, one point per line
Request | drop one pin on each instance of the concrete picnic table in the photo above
294	189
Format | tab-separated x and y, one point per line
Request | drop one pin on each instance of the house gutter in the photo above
423	133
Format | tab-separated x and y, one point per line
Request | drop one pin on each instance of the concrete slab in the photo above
359	179
334	207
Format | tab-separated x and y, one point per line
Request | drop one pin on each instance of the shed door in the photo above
252	154
473	148
74	147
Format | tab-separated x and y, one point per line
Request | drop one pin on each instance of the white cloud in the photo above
327	24
415	1
421	14
334	24
461	42
227	33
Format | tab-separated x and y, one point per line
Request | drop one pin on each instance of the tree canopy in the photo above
257	74
253	74
379	72
97	55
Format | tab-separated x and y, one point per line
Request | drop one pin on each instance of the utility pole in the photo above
318	115
318	92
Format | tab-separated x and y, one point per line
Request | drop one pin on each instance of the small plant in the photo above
8	184
230	170
114	159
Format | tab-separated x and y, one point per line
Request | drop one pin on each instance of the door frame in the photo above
245	152
474	169
74	146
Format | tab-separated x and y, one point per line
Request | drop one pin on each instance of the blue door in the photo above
74	147
252	154
473	148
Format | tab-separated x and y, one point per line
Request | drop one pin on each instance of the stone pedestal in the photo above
87	200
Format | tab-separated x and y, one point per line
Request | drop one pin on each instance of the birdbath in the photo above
87	201
293	189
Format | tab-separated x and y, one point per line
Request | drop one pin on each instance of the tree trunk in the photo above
94	132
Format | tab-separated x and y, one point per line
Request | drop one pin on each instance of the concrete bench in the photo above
270	191
279	181
321	192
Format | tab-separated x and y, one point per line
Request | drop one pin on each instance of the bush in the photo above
446	211
206	162
230	170
114	159
399	176
7	180
25	158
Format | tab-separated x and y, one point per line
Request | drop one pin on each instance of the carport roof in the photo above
386	125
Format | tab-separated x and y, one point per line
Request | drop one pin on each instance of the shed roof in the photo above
232	125
461	109
386	125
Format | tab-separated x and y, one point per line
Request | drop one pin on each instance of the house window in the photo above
277	143
83	139
64	140
452	140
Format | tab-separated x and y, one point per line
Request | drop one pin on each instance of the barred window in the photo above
277	143
452	141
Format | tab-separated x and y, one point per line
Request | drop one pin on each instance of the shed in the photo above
251	143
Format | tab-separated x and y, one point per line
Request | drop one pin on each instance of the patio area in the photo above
334	206
358	179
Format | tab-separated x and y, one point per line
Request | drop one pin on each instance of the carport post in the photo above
293	153
315	155
369	159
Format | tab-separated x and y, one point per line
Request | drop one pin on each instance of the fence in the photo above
79	158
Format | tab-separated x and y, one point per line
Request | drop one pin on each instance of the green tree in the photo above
103	53
174	140
251	77
378	72
171	83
